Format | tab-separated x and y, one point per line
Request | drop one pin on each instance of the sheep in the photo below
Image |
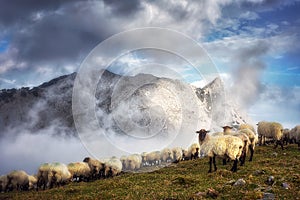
152	158
113	167
295	135
17	179
166	155
246	141
96	166
243	135
286	136
192	152
123	160
271	130
247	126
32	182
177	154
3	183
222	146
42	175
80	171
133	162
253	140
58	174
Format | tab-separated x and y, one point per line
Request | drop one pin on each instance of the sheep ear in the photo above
208	131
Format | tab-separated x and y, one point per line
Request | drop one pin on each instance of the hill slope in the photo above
190	180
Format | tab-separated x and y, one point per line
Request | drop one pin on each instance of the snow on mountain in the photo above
153	103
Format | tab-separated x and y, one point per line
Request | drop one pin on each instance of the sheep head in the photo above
202	134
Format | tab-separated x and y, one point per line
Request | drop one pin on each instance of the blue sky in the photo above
254	43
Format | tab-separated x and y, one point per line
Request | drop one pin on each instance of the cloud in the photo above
278	104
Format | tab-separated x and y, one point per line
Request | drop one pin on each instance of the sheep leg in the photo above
234	167
214	161
243	158
224	161
251	153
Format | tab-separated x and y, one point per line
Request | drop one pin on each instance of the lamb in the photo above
113	167
271	130
222	146
80	171
177	154
152	158
192	152
133	162
166	155
58	174
17	179
3	183
97	167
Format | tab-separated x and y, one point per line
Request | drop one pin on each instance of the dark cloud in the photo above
17	11
124	7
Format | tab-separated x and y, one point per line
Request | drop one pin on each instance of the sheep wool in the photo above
221	146
177	154
18	179
166	155
270	130
247	126
58	174
80	170
3	183
133	162
113	167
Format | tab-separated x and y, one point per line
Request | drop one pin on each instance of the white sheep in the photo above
152	158
3	183
225	146
32	182
17	179
58	174
295	135
123	161
192	152
247	126
286	136
80	171
133	162
177	154
97	167
166	155
246	141
228	130
253	140
270	130
113	167
42	175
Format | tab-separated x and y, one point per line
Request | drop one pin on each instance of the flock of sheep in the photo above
229	145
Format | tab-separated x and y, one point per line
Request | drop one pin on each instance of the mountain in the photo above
140	105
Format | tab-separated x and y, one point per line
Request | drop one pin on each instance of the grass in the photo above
190	180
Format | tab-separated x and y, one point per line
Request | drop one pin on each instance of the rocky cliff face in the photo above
140	105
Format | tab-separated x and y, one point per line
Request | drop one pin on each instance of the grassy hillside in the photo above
190	180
